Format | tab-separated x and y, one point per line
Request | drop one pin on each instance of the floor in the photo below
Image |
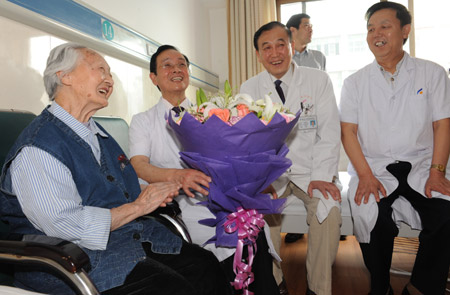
350	276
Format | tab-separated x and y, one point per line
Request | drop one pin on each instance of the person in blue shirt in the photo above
66	177
302	30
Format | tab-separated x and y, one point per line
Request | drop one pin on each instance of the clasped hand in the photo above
191	179
156	195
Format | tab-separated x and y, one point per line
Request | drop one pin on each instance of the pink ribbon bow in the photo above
248	223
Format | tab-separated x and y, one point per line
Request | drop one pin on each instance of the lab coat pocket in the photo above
420	108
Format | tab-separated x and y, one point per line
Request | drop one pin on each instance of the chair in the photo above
170	216
54	255
117	127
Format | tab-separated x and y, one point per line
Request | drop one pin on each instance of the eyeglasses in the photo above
171	66
306	26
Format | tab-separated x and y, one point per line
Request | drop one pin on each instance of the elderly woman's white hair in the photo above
62	58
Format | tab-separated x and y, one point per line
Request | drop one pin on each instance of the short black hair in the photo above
268	27
160	50
403	14
296	20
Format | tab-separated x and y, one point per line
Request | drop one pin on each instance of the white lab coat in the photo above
394	124
314	143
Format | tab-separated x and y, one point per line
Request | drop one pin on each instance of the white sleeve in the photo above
139	137
348	106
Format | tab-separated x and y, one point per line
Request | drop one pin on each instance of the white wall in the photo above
197	27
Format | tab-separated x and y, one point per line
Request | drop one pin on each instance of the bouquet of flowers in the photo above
239	143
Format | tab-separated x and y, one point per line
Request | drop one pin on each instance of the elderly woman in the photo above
66	177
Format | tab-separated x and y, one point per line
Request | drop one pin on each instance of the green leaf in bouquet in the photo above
200	97
227	89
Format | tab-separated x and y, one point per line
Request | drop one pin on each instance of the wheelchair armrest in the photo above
61	256
170	216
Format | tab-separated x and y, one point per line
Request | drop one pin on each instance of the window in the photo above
357	43
432	26
340	32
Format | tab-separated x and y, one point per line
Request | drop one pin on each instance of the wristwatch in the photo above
439	167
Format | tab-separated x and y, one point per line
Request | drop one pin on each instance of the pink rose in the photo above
223	114
242	110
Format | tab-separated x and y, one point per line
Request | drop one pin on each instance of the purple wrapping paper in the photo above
242	160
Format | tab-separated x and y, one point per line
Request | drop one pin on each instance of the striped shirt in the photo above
49	197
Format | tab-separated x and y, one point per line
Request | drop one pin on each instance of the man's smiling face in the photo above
275	51
385	35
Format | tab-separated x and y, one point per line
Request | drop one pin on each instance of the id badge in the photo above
308	122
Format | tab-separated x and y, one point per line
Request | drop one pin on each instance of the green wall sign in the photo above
108	30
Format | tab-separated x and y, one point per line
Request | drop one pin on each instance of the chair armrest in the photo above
170	216
65	253
61	256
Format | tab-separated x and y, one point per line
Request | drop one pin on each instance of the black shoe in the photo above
309	292
291	238
283	288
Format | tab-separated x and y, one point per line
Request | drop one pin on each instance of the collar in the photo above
287	78
168	106
82	130
397	67
304	52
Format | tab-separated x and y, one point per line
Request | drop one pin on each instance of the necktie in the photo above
279	90
177	110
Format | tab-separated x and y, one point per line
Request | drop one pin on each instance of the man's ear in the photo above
66	79
406	30
257	56
293	47
153	78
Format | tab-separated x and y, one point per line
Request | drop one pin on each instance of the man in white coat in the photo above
301	30
397	110
154	154
313	146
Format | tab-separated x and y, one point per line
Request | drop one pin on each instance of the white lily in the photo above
269	110
219	101
243	97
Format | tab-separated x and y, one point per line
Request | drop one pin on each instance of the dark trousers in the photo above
264	283
193	271
432	263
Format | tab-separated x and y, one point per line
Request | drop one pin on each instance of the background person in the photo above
301	29
398	109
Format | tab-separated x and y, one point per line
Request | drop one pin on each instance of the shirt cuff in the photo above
97	228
